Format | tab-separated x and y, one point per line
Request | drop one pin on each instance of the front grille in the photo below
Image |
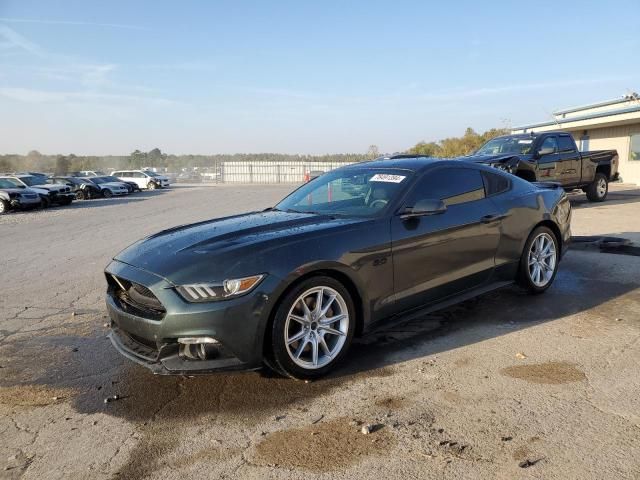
135	299
141	347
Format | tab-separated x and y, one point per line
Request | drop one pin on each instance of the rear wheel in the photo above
597	191
4	207
312	329
539	261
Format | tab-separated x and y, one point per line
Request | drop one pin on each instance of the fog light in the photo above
198	348
197	340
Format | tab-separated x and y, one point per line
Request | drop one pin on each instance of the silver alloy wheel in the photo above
316	327
542	259
601	187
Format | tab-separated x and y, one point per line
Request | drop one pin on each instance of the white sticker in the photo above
385	177
525	142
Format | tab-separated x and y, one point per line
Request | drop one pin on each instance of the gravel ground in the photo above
505	386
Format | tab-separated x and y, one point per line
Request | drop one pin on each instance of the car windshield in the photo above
6	183
31	181
349	192
498	146
109	178
152	174
98	180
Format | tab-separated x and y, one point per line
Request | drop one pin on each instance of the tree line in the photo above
61	164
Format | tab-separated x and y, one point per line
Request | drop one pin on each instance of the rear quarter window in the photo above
495	184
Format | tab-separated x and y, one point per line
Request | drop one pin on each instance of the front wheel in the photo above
539	261
597	191
152	186
107	194
312	329
81	195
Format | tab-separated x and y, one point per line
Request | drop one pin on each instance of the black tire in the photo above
45	202
525	279
66	201
106	193
276	351
4	207
81	195
598	189
152	185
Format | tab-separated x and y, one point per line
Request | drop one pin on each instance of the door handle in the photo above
491	218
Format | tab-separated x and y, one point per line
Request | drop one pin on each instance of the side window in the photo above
451	185
495	183
550	142
117	174
565	144
634	147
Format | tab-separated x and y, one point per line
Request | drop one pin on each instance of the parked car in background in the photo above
82	188
144	178
17	198
108	188
551	156
90	173
131	186
189	177
291	286
50	194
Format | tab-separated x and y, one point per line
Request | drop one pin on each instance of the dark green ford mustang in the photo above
290	286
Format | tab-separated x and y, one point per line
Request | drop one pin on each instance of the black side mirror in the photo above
545	151
427	206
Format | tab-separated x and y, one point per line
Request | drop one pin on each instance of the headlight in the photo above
209	292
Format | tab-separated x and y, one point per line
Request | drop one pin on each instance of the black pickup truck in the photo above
551	156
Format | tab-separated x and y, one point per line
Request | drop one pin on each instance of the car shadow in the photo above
615	197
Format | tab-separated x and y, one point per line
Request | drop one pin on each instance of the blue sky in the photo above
298	76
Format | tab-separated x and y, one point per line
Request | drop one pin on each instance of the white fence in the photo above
272	172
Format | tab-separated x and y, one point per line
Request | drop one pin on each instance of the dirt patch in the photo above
462	362
521	453
392	403
328	446
33	395
553	373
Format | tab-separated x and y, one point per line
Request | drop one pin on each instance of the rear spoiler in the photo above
548	185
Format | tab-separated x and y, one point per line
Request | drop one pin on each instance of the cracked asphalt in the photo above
505	386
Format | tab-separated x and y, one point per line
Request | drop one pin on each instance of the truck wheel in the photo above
4	207
598	189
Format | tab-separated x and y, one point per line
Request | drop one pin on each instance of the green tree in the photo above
62	165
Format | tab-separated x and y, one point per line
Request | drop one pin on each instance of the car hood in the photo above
52	187
488	159
225	247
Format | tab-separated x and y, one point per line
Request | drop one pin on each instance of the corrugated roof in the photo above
605	103
580	118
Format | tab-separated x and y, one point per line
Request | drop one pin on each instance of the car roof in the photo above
405	162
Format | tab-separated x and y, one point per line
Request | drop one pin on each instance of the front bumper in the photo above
24	203
62	197
238	325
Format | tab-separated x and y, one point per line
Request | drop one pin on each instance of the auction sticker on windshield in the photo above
385	177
